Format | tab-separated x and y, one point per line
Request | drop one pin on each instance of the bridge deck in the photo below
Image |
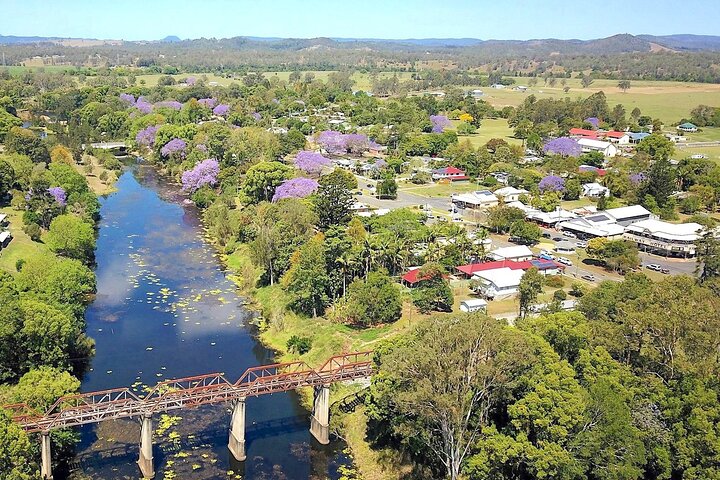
188	392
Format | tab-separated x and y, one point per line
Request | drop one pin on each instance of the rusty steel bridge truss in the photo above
212	388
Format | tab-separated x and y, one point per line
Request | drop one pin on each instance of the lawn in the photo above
20	247
712	153
441	190
490	128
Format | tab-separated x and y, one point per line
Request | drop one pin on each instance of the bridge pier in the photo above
145	462
236	442
320	420
46	465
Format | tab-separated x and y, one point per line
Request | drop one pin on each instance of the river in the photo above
166	309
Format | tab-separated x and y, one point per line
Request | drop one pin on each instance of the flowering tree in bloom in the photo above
176	145
637	178
127	98
356	142
221	110
566	146
439	123
201	147
311	162
380	164
143	105
299	187
173	104
146	136
256	116
332	142
59	195
594	121
552	183
373	145
190	81
203	173
208	102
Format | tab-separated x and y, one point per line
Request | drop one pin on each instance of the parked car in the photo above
589	278
569	234
557	239
546	256
546	235
581	244
654	267
564	261
666	271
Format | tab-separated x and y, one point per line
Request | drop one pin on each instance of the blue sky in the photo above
485	19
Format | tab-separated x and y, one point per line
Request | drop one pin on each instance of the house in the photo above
670	239
501	177
550	218
476	93
565	247
358	207
449	173
497	86
3	219
593	226
518	253
595	190
687	127
592	145
412	277
477	199
5	238
473	305
520	88
620	138
510	194
546	267
626	215
600	172
582	133
637	137
675	138
499	283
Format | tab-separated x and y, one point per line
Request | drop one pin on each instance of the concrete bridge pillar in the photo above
320	420
145	462
46	465
236	443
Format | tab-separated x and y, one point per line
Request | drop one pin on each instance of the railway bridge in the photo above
189	392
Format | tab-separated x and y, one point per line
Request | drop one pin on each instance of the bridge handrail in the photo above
92	407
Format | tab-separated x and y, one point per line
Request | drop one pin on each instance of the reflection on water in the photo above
165	309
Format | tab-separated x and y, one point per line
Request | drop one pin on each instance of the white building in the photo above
630	214
5	238
477	199
473	305
499	282
550	218
590	145
671	239
621	138
592	226
518	253
510	194
595	190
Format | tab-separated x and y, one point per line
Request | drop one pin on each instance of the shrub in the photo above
577	290
554	281
19	264
559	295
299	345
33	231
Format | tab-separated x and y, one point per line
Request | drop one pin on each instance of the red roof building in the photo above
540	264
581	132
449	173
413	277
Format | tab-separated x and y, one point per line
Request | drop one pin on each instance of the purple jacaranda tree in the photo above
373	145
439	123
380	164
146	136
221	110
174	146
143	105
566	146
173	104
203	173
637	178
59	195
208	102
551	183
311	162
594	121
190	81
332	142
256	116
299	187
201	147
127	98
356	142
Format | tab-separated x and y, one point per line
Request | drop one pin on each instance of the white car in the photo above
569	234
581	244
654	267
564	261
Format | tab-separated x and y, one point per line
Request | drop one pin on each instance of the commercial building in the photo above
477	199
607	223
670	239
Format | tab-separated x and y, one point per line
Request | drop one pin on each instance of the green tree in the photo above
387	187
624	85
7	122
708	257
333	199
307	280
526	232
465	128
433	292
657	146
502	217
71	237
436	389
25	142
530	287
262	179
17	460
375	300
660	183
7	179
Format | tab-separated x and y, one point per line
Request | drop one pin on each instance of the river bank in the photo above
277	324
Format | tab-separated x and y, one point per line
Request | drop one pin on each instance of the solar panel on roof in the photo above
598	218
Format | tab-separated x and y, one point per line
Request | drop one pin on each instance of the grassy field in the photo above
491	128
20	247
440	190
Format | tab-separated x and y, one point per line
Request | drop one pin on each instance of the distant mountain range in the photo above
621	43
